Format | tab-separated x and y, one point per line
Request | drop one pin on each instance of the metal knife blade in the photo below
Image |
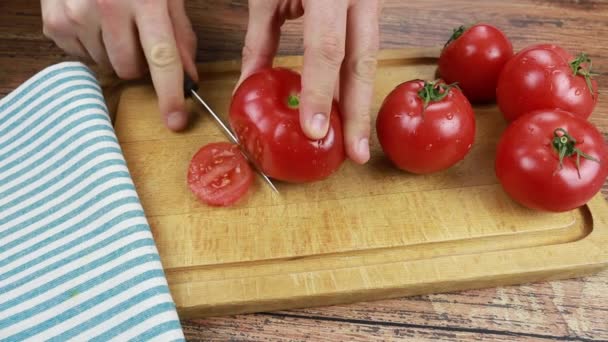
190	88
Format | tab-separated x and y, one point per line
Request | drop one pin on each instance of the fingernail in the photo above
363	150
318	125
177	121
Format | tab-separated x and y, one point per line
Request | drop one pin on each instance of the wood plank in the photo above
555	310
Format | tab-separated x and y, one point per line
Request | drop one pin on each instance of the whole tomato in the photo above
546	77
474	57
264	114
425	127
552	160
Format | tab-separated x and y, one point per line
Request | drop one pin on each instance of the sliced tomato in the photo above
219	175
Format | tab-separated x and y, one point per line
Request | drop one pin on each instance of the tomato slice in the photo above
219	175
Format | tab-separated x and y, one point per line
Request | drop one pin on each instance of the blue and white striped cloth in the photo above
77	258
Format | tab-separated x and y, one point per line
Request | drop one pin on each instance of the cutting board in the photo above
366	233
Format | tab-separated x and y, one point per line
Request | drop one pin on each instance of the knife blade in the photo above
190	90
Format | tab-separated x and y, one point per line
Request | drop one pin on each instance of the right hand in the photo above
130	37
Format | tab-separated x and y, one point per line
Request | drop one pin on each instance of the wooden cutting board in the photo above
368	232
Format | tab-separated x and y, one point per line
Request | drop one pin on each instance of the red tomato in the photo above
528	160
546	77
474	57
265	117
219	175
425	140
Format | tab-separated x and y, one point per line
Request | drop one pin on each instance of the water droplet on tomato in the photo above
530	129
450	116
410	114
578	92
429	147
469	147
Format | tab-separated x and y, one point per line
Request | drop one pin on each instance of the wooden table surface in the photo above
574	309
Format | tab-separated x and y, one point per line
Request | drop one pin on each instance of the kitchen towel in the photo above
77	258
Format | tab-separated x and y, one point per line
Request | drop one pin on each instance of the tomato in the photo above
264	115
425	140
528	160
546	77
219	175
474	57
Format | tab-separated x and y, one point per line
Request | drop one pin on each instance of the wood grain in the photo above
563	310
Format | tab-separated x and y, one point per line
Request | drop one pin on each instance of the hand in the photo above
340	45
113	32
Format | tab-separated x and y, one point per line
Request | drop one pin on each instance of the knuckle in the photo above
364	68
163	55
317	96
54	25
249	53
75	11
364	117
330	49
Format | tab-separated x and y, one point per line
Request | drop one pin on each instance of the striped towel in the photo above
77	259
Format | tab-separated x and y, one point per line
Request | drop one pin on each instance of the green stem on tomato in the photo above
579	70
434	92
293	101
565	145
457	32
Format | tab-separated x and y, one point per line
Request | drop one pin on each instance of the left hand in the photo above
341	39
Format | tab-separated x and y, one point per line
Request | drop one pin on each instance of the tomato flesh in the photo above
264	114
541	77
528	167
422	140
474	60
219	175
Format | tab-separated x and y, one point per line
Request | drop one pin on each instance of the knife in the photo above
190	89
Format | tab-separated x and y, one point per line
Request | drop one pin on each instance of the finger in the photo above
58	27
357	78
55	22
90	38
119	36
185	37
160	49
84	20
262	38
324	36
93	43
72	46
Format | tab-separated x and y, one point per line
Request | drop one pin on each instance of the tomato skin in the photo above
475	60
219	175
540	77
426	142
270	129
527	164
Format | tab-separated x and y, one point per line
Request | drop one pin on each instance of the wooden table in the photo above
561	310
